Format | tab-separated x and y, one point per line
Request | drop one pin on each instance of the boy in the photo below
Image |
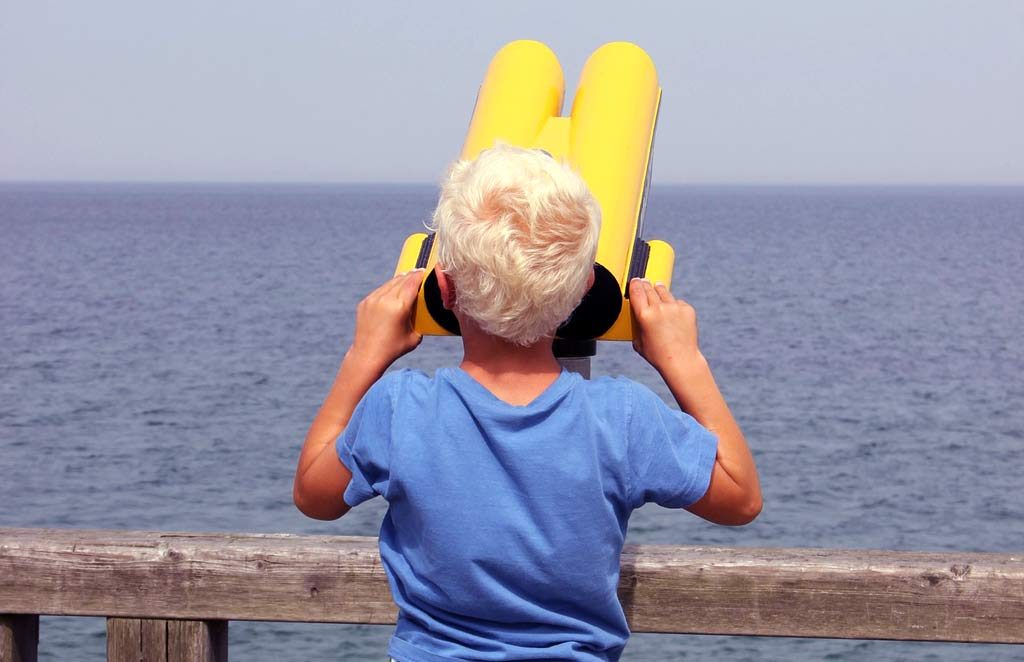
510	481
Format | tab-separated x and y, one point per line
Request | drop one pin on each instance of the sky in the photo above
768	92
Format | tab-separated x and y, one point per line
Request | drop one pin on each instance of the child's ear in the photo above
591	278
446	286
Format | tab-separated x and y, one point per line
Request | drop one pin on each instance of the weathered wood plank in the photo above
197	641
19	637
194	576
857	594
153	633
124	640
942	596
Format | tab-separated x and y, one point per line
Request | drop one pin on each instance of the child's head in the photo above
517	233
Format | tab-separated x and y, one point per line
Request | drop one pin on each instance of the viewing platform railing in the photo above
168	597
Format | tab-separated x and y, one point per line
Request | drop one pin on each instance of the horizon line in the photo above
409	183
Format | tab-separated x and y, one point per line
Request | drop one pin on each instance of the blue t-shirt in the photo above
506	523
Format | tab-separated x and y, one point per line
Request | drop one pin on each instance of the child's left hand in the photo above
384	321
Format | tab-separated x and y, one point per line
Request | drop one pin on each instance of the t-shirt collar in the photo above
552	393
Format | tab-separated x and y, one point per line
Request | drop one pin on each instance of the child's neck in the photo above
513	373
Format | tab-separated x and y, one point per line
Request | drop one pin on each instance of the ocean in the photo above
163	349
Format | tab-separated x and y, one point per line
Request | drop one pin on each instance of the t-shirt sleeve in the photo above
671	455
365	445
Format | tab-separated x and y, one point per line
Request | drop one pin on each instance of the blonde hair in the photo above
517	232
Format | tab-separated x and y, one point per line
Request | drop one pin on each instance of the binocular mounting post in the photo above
574	355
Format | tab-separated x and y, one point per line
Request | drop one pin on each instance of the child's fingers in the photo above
639	295
409	287
664	293
389	287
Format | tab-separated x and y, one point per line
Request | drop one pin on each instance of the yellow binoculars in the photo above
607	138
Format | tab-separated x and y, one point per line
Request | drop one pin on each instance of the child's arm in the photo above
383	333
668	340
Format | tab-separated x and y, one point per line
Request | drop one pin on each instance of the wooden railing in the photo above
168	596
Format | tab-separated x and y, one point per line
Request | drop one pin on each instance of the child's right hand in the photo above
384	329
383	333
667	327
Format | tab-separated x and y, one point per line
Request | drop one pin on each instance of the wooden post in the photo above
575	355
197	641
19	637
153	632
124	640
157	640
